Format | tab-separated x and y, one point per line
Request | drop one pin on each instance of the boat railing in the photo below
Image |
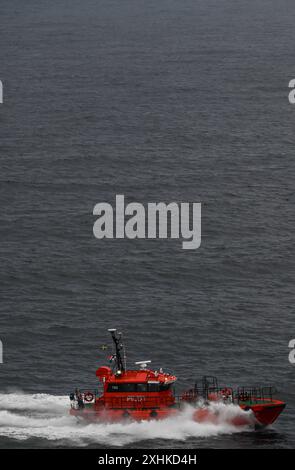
254	394
230	395
242	395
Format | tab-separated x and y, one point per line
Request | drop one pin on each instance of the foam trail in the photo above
24	416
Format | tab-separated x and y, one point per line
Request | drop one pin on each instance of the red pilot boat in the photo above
144	394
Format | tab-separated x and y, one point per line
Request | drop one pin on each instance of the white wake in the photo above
24	416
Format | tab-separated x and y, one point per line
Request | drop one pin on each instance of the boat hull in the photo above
259	415
266	413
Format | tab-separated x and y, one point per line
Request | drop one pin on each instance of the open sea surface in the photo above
159	100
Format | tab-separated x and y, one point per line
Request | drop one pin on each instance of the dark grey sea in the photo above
159	100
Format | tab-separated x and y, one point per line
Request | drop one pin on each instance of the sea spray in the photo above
45	417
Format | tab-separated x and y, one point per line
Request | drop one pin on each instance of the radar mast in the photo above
117	339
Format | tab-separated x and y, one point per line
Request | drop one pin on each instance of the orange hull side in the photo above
266	413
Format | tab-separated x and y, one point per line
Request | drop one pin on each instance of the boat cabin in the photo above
128	388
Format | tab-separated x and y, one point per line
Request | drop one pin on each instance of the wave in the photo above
25	416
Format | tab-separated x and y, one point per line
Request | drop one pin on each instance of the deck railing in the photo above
255	394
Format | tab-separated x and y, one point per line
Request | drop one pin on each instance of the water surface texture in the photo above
160	101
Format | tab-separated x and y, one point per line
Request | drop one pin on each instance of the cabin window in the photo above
164	387
138	387
153	387
128	387
133	387
113	388
123	387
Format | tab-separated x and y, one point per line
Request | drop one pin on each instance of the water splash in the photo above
24	416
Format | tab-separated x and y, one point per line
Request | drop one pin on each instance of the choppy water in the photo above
160	101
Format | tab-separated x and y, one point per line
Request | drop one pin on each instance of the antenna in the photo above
124	352
118	347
